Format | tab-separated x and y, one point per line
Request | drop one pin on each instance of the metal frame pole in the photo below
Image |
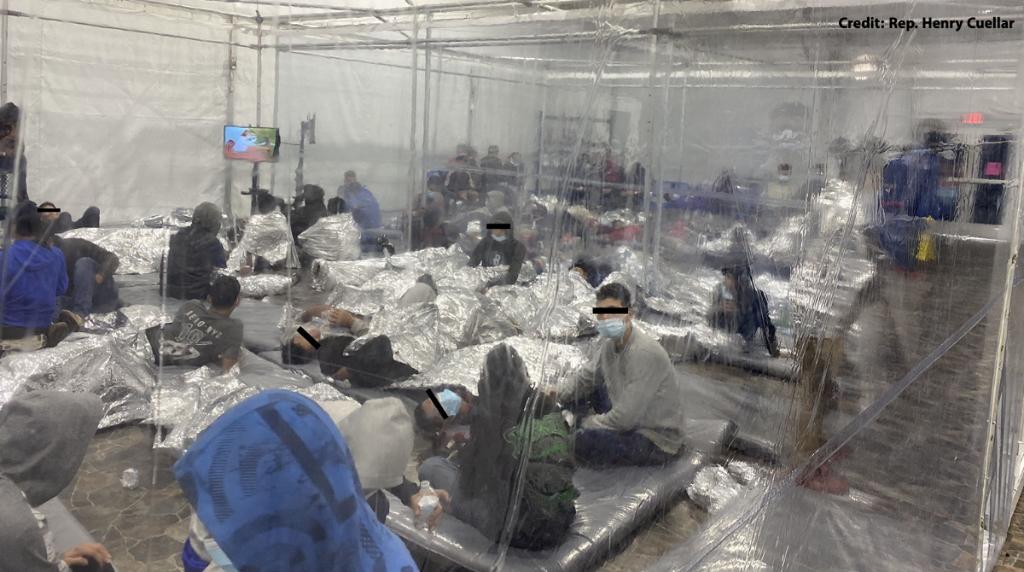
426	102
229	169
414	160
648	171
660	164
3	51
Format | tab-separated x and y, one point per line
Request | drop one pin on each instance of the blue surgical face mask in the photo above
498	238
613	328
450	401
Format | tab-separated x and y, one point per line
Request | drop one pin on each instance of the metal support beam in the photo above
414	159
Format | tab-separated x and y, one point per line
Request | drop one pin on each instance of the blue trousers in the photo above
608	448
86	295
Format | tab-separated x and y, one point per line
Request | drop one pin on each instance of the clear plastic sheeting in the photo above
590	227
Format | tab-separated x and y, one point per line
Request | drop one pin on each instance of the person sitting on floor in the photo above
44	436
500	248
275	485
193	254
511	419
311	210
373	363
32	276
633	390
379	436
203	334
736	306
91	285
592	271
61	221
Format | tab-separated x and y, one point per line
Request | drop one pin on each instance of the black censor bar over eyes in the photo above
309	338
499	226
47	210
611	310
437	404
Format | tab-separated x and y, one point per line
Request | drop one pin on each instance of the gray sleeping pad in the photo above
613	503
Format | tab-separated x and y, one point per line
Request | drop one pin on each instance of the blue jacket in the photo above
363	206
31	278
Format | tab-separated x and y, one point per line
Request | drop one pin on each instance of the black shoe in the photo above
73	320
56	333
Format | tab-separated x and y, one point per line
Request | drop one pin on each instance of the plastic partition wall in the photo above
865	178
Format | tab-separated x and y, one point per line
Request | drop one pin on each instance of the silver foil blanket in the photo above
462	367
414	334
332	238
179	218
189	402
557	305
263	285
328	275
114	368
267	236
139	250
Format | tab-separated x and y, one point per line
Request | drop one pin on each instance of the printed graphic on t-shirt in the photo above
496	259
195	333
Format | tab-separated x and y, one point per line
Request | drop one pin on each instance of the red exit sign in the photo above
974	118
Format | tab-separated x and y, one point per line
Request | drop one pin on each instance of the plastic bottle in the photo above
428	501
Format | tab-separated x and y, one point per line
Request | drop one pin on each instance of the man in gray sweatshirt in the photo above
632	388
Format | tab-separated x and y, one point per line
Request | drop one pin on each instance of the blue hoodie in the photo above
31	278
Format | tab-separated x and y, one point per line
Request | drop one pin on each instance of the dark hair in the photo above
350	173
423	422
224	292
9	113
27	221
313	192
265	202
292	354
47	204
615	291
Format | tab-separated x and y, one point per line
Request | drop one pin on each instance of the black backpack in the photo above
547	506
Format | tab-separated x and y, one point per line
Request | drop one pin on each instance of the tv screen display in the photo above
256	144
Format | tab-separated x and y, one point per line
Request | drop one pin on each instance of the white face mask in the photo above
783	178
499	238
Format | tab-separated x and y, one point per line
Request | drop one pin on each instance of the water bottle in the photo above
428	501
130	478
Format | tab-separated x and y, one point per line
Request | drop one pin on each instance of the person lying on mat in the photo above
203	333
511	418
61	221
32	277
451	431
43	439
194	253
373	363
632	390
274	485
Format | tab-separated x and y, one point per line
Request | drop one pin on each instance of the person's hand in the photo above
81	554
100	279
245	270
340	317
435	516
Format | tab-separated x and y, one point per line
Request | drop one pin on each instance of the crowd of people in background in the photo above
623	408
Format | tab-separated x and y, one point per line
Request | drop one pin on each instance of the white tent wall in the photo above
124	109
362	101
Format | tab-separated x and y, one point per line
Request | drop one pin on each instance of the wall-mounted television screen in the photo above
256	144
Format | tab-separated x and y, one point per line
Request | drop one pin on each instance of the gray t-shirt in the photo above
200	337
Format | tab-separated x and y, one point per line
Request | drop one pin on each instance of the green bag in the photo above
547	508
